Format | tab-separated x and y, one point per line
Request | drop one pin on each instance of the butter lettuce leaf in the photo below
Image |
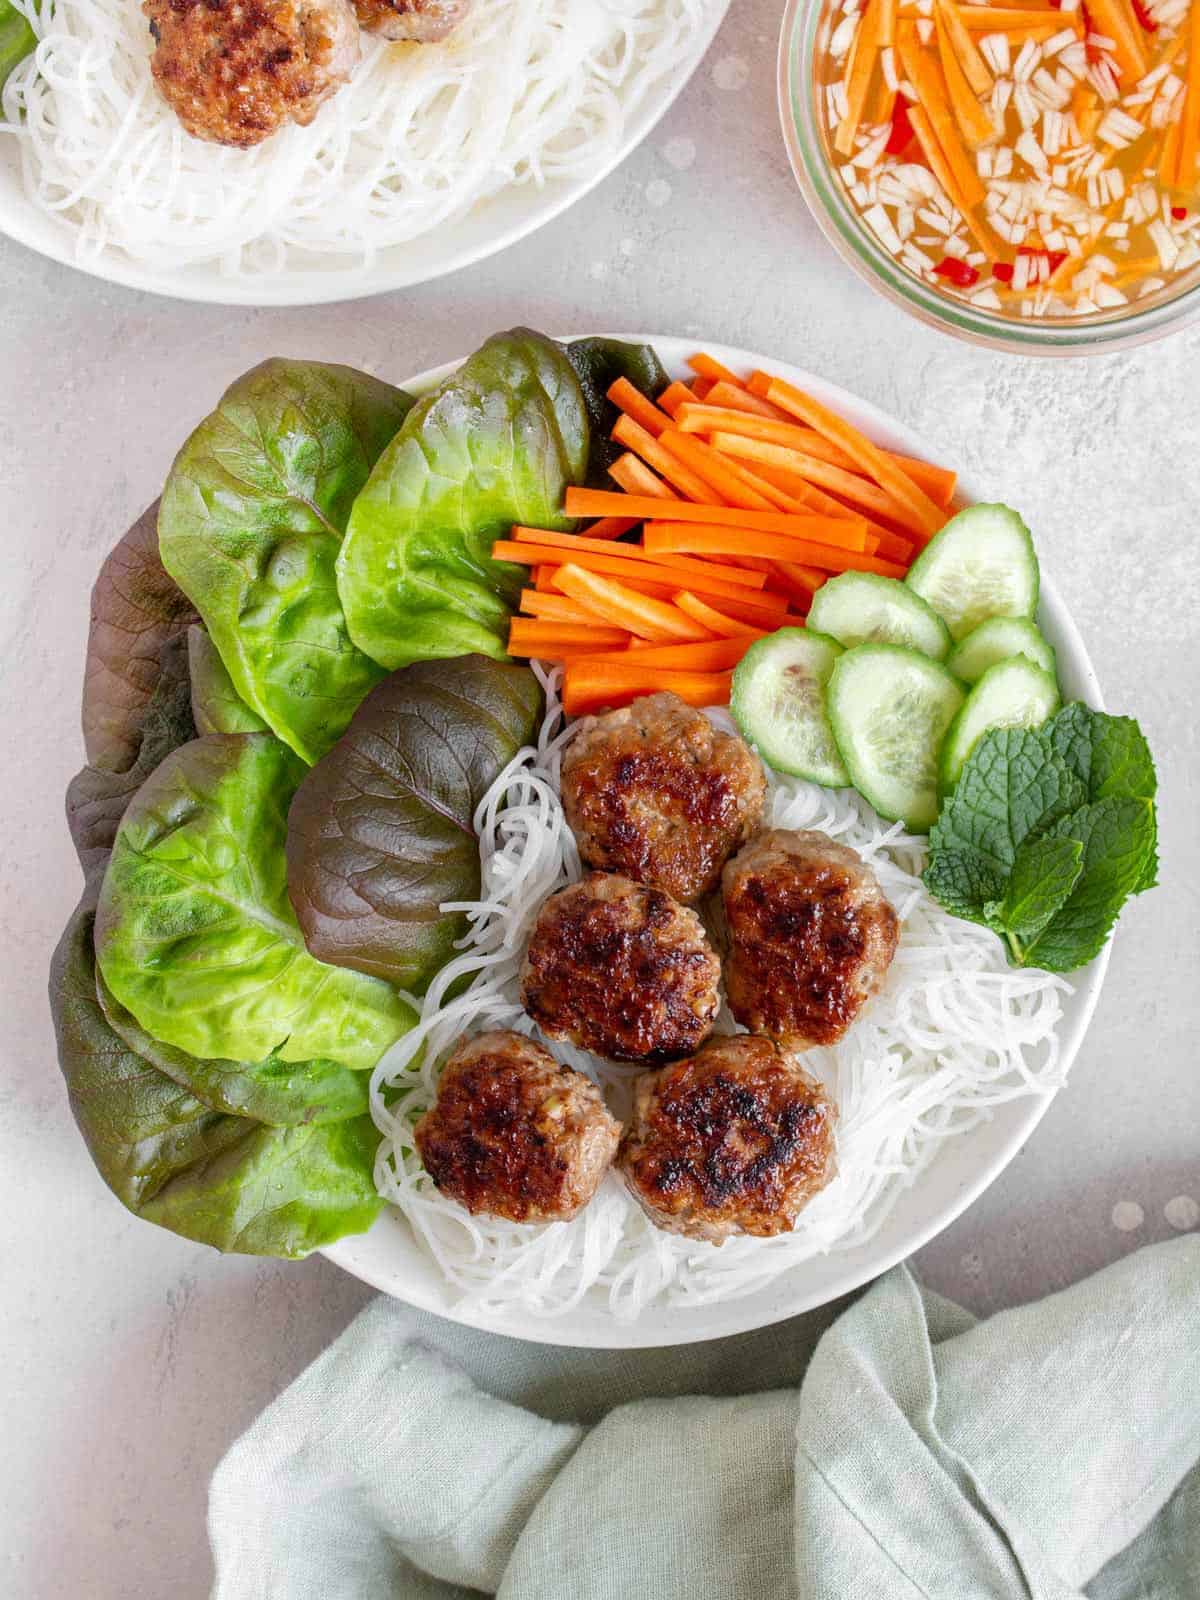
497	443
251	521
195	934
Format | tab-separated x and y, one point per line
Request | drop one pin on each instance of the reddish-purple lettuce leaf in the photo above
380	832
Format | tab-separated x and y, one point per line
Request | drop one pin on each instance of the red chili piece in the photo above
1179	213
1142	13
957	271
1002	272
901	134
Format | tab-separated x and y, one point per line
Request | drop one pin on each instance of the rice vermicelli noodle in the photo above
525	91
954	1032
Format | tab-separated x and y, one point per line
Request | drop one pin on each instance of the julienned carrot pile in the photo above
748	493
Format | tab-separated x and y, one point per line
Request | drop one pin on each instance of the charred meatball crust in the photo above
811	936
514	1134
621	970
737	1139
421	21
654	791
236	71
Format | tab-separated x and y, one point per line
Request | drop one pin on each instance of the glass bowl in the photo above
1136	323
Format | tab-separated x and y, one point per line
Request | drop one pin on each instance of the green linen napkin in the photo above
899	1449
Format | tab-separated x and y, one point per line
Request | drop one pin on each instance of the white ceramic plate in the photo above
389	1258
492	226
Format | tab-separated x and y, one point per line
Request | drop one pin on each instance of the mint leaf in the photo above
1117	836
965	881
1109	754
1012	785
1043	875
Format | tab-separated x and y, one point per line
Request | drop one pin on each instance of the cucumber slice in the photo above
1012	694
980	565
890	708
778	702
996	640
863	608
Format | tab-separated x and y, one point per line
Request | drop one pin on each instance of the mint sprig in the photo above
1047	834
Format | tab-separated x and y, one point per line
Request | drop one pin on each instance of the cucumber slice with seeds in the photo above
981	564
998	639
1012	694
863	608
890	707
778	703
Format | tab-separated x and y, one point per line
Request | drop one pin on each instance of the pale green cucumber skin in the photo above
941	552
975	718
916	624
997	639
919	812
750	723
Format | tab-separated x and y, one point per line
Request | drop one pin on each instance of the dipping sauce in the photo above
1039	161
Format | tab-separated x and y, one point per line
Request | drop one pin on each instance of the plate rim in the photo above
21	222
736	1315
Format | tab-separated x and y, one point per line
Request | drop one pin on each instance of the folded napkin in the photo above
898	1449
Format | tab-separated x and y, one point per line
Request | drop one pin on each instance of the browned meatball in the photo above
811	936
621	970
422	21
735	1140
514	1134
236	71
657	793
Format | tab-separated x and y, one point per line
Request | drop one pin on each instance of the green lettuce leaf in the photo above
250	525
497	443
223	1180
216	705
195	934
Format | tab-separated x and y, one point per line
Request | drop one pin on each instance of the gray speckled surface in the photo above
131	1358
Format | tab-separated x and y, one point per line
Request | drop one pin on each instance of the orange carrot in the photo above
545	639
867	456
977	127
1188	143
610	527
634	404
701	386
672	398
591	685
737	398
629	561
661	579
704	462
707	367
634	437
861	492
626	608
717	655
938	482
696	538
963	49
708	616
1115	21
849	532
574	547
800	582
858	78
935	159
555	607
632	473
924	73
